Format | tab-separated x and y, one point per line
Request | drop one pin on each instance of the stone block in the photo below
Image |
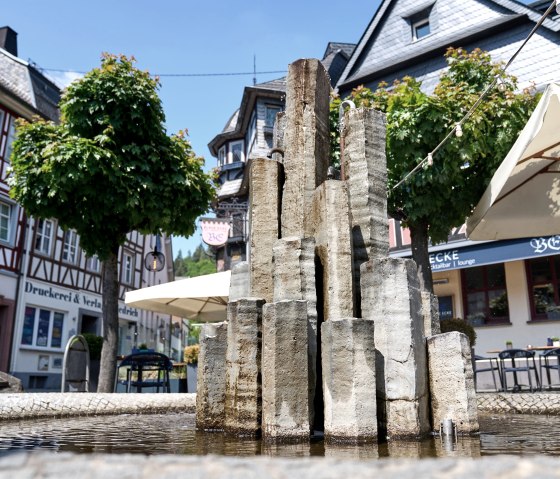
239	282
329	220
430	312
306	140
349	388
364	168
452	382
9	384
285	389
294	278
264	204
391	298
243	402
211	377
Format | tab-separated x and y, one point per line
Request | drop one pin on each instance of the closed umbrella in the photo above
523	197
203	298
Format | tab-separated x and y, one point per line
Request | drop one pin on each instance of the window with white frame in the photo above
5	221
222	156
42	328
420	29
93	264
43	236
70	250
236	152
127	268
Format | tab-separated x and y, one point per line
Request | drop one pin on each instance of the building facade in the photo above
49	289
508	290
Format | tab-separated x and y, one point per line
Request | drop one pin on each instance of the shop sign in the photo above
77	298
215	231
494	252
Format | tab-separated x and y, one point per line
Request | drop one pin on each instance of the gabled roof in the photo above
505	13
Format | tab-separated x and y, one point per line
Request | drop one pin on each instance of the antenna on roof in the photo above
254	69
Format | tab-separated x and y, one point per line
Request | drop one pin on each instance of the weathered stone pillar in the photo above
348	360
294	278
285	390
243	366
211	377
239	282
306	140
452	382
391	297
430	312
264	204
329	219
364	166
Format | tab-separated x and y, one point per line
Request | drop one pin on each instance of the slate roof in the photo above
361	68
26	85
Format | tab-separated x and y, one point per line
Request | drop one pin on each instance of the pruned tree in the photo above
440	197
107	169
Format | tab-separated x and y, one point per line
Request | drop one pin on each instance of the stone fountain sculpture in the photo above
323	327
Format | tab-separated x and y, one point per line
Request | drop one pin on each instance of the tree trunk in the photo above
108	363
419	239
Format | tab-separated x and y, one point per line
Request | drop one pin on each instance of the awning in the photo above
523	198
203	298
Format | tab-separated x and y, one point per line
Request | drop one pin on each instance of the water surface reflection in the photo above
176	434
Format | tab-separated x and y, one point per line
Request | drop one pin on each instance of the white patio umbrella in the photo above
523	197
203	298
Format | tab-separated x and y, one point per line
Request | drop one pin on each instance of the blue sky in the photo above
171	36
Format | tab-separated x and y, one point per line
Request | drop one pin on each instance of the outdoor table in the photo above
531	348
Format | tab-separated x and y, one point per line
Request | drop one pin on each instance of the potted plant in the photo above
509	344
555	341
190	357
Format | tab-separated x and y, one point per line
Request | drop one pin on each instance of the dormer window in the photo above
420	29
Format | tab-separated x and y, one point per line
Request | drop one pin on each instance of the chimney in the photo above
8	40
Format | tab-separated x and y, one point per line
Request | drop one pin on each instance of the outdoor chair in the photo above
145	370
517	361
550	360
492	367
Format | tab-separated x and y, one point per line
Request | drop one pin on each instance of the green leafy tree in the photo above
199	263
440	197
107	169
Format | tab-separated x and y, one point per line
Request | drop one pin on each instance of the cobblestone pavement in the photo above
30	405
66	466
521	403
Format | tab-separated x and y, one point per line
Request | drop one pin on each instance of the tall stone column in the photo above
239	282
264	204
391	298
306	140
430	312
211	377
364	166
243	366
285	393
329	220
348	359
452	382
294	278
